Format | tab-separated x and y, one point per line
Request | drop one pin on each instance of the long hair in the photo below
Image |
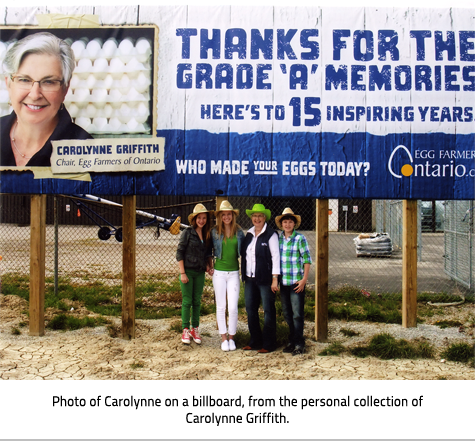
220	225
206	228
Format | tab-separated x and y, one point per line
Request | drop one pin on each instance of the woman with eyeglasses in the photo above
38	69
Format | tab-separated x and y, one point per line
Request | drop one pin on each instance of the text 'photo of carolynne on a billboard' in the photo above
38	71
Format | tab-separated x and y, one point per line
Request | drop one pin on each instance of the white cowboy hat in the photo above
199	209
288	213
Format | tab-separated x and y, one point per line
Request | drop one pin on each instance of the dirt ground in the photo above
157	352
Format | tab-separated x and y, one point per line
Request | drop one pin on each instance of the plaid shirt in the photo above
294	253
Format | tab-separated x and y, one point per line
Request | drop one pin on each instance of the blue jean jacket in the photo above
218	241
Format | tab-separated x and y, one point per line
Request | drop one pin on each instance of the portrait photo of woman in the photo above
37	70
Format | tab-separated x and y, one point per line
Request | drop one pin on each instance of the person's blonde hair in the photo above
220	225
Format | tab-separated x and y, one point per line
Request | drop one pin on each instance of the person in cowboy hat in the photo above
227	237
194	256
295	261
260	269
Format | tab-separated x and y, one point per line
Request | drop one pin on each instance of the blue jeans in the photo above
253	293
292	307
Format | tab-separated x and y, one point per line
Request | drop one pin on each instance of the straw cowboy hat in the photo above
226	206
199	209
258	209
287	213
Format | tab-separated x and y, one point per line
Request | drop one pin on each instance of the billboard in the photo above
266	101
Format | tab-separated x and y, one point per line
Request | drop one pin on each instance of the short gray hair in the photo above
40	43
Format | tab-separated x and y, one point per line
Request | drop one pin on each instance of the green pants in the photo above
191	294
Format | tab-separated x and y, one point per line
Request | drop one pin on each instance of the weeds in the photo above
137	365
176	326
15	331
348	332
66	322
448	323
334	349
459	351
385	346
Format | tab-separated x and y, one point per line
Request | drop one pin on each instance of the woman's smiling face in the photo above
36	106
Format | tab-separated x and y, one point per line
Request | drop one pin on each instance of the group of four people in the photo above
268	261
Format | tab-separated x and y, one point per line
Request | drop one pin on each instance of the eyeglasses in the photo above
48	85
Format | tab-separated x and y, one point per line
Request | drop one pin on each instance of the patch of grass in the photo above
176	326
385	346
15	331
459	351
66	322
348	332
448	323
334	349
17	284
137	365
207	309
22	324
242	338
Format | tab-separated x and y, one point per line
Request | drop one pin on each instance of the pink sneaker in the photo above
195	334
185	337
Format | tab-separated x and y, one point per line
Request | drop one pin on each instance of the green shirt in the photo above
229	259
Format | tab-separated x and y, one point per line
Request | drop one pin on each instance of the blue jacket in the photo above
218	241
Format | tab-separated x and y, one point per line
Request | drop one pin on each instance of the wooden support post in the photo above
37	264
321	272
409	264
128	266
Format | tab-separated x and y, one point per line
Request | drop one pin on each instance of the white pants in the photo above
226	282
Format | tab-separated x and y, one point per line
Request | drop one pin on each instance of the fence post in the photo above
409	263
321	272
128	266
37	264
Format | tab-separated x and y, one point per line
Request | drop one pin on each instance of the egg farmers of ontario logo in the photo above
427	168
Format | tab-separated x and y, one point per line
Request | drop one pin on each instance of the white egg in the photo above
117	68
143	49
99	96
78	47
141	112
124	84
73	110
108	82
84	68
101	68
90	82
115	124
109	48
81	96
100	123
132	124
91	111
142	83
107	111
94	48
126	46
83	122
126	50
91	128
74	82
115	98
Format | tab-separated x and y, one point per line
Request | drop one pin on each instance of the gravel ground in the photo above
157	352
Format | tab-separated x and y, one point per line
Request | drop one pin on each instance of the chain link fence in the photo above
75	250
